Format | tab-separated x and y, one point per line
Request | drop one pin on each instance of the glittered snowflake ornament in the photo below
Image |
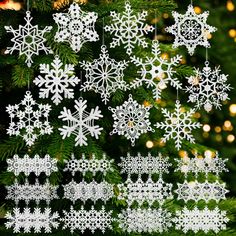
191	29
208	88
128	29
131	120
80	123
104	75
56	81
156	72
28	39
29	119
76	27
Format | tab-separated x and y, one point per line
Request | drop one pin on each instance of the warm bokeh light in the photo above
197	9
217	129
232	108
206	128
218	138
11	5
209	154
230	138
149	144
165	56
232	33
227	126
230	6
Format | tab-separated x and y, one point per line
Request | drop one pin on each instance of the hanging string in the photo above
103	32
206	54
81	82
191	2
28	5
155	24
177	94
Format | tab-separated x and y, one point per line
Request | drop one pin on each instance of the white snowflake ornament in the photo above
191	29
156	71
31	121
28	39
76	27
131	120
80	123
178	125
128	29
208	88
104	75
57	80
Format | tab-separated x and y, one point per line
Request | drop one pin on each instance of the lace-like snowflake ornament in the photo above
178	125
197	191
92	165
36	165
28	39
80	123
76	27
148	191
131	120
144	164
57	80
32	221
208	88
87	219
31	121
32	192
104	75
128	29
145	220
88	191
191	29
156	71
206	220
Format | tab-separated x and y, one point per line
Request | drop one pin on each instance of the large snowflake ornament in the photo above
205	220
178	125
31	121
156	71
87	219
191	29
208	88
128	29
57	80
29	221
76	27
28	39
80	123
131	119
104	75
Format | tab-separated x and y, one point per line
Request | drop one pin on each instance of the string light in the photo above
217	129
206	128
227	126
197	9
232	109
230	138
149	144
230	6
232	33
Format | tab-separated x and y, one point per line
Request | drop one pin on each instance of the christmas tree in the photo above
115	117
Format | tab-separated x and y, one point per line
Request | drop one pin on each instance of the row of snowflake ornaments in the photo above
105	76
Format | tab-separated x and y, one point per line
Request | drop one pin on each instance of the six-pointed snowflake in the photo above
57	80
76	27
191	29
31	123
208	88
131	119
156	71
128	29
28	40
80	123
104	75
178	125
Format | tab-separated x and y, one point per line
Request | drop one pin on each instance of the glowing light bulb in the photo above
232	108
230	6
230	138
149	144
206	128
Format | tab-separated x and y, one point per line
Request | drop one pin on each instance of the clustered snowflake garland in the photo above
28	39
57	80
208	88
80	123
87	219
128	29
178	125
131	120
32	221
104	75
76	27
156	71
191	29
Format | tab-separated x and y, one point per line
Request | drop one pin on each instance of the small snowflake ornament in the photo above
208	88
191	29
178	125
76	27
131	120
57	80
80	123
28	39
128	29
104	75
29	119
156	72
